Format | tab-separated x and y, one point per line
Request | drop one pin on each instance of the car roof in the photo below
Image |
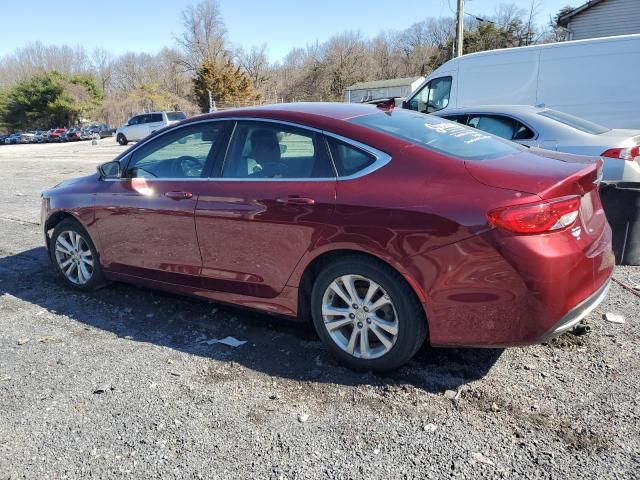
301	110
526	109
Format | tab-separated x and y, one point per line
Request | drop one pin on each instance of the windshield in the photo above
174	116
438	134
575	122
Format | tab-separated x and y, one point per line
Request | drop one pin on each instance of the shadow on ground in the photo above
276	347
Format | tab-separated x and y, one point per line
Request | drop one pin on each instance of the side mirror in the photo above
283	149
109	170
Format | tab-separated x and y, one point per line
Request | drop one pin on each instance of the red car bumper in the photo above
495	290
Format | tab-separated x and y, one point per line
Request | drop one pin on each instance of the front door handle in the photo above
179	195
295	200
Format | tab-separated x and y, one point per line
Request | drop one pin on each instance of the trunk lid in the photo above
545	173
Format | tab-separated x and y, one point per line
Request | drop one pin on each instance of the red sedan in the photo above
383	227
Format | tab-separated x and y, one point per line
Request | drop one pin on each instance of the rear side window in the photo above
156	117
348	159
175	116
439	135
455	118
501	126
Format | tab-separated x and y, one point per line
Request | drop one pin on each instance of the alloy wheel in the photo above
74	257
360	316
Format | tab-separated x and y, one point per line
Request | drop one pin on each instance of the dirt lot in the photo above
120	384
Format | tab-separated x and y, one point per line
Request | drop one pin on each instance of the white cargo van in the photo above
596	79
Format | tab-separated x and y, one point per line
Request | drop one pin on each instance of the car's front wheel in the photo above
367	315
121	139
75	256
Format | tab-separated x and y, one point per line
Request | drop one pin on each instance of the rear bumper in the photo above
576	314
521	291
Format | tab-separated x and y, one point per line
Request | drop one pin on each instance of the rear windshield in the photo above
575	122
174	116
438	134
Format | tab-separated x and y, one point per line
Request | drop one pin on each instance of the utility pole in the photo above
211	104
459	28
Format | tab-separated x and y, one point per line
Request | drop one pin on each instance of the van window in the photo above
436	134
432	97
501	126
575	122
156	117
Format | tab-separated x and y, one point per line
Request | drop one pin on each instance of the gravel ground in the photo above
120	384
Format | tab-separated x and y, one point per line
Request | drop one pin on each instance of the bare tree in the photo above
204	36
255	63
103	65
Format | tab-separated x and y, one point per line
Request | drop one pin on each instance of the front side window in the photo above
501	126
436	134
433	96
182	153
266	150
135	120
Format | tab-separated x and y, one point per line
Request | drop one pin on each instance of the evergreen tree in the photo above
227	83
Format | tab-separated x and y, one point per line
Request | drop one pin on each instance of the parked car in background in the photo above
140	126
572	77
73	135
385	227
57	134
554	130
2	139
12	139
26	137
102	129
40	136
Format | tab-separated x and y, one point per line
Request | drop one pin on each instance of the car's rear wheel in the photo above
367	315
75	256
121	139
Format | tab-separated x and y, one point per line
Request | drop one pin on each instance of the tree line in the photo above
45	86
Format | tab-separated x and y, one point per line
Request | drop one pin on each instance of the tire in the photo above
121	139
398	310
66	231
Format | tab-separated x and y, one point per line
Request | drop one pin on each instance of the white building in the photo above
395	87
602	18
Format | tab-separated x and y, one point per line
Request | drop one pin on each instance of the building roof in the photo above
393	82
564	20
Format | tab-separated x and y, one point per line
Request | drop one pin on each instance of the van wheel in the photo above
367	315
121	139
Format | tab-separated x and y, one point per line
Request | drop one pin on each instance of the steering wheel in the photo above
186	166
272	170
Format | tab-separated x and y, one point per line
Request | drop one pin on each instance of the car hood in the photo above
545	173
72	182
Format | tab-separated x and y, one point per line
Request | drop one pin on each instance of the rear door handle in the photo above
294	200
179	195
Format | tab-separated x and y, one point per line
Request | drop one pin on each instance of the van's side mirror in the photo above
405	104
109	170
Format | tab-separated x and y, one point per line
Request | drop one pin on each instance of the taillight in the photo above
627	153
545	216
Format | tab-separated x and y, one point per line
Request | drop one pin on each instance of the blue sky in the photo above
148	25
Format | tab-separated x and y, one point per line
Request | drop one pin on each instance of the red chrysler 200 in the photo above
383	227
